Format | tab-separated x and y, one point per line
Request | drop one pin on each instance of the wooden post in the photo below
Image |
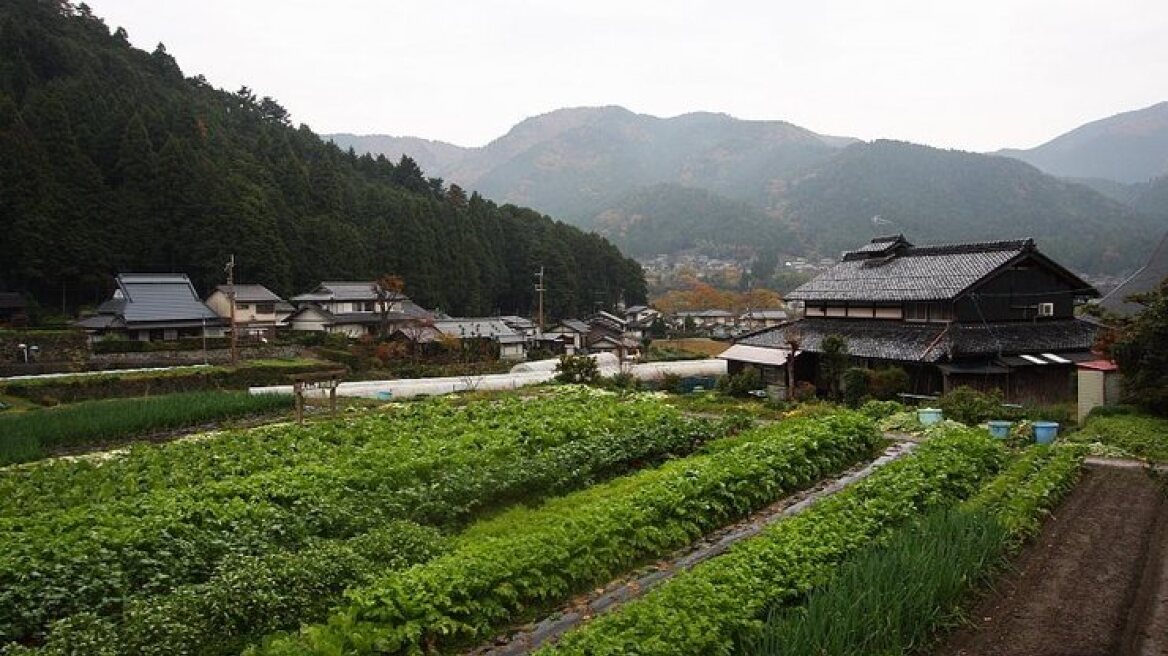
333	397
298	391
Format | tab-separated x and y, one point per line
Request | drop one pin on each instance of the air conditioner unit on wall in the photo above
1046	309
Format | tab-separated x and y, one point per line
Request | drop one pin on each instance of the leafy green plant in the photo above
532	558
742	383
706	609
1140	436
854	383
168	516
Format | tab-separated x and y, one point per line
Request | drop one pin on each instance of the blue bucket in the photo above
1000	429
384	396
929	416
1045	431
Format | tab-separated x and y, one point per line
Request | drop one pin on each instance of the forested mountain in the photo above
934	195
432	156
1152	197
111	160
669	218
578	162
641	180
1128	147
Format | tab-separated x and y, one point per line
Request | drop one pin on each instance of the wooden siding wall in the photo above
1014	294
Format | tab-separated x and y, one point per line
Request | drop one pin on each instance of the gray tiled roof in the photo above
933	342
340	291
252	294
910	273
161	297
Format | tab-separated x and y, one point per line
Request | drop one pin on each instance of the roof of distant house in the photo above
157	297
251	294
924	342
340	291
892	269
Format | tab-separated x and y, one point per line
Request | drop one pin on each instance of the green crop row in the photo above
97	557
533	559
32	435
893	597
705	610
248	597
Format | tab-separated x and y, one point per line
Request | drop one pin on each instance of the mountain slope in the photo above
668	218
432	156
111	160
1128	147
576	162
934	195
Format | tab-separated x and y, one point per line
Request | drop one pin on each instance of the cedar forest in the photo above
113	161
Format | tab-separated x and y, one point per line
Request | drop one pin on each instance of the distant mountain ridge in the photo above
715	183
573	162
1129	147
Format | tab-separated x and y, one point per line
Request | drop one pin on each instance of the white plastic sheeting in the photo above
602	360
411	387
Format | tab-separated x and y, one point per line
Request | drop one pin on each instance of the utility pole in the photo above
231	300
539	288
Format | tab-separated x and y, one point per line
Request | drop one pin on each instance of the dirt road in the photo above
1095	583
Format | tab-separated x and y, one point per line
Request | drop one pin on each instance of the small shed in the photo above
1098	385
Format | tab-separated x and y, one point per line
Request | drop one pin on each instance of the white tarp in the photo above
755	355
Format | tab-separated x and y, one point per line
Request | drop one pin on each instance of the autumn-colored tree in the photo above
388	289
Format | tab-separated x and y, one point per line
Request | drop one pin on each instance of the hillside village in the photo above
608	382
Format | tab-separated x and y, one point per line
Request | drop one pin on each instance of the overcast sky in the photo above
974	74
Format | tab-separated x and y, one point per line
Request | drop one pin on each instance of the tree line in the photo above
112	160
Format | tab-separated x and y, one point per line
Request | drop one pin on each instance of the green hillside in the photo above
668	218
934	195
112	161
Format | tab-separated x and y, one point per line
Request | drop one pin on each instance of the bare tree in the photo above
388	289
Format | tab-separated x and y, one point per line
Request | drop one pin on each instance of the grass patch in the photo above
1136	435
694	346
34	434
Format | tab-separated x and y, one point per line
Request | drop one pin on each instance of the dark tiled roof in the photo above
252	294
933	342
910	273
1023	337
1147	279
161	297
887	340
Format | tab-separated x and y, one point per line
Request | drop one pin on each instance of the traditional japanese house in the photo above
990	315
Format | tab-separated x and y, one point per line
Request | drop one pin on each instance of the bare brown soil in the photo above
1094	583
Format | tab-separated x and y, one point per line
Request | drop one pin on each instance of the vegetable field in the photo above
433	527
162	548
32	435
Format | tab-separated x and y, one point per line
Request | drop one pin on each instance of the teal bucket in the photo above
929	416
1000	429
1045	431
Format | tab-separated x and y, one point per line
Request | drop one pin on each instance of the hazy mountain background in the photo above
713	183
1131	147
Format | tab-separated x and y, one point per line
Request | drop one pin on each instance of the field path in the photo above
1093	584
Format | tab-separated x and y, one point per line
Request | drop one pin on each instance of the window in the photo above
265	308
916	312
242	306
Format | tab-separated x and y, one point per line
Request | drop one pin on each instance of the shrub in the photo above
672	382
877	410
855	386
577	369
969	406
886	384
803	392
742	383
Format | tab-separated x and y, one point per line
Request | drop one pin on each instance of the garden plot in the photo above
135	549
